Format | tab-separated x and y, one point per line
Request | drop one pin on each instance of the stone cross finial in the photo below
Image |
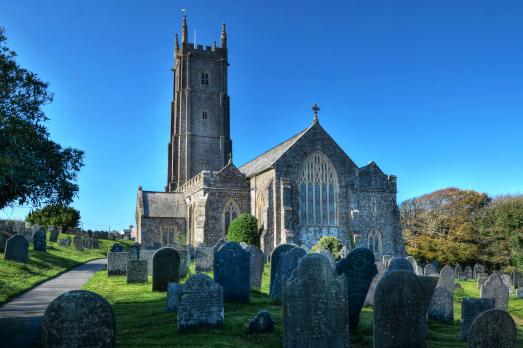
315	108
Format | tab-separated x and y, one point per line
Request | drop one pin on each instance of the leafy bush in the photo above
55	215
330	244
244	229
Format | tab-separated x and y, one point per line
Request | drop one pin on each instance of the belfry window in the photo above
205	115
230	212
205	78
318	185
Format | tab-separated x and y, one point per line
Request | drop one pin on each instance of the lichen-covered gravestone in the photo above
430	269
496	289
359	270
116	263
442	307
399	313
16	249
53	237
275	260
288	263
39	240
399	264
314	306
493	328
136	271
369	299
470	309
200	303
203	258
78	243
447	278
256	260
478	268
166	268
80	319
232	272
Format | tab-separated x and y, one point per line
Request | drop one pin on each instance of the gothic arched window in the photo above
205	78
318	185
374	241
230	212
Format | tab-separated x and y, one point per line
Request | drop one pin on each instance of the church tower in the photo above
200	121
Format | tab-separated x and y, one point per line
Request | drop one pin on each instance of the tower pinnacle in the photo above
185	36
224	36
315	109
176	44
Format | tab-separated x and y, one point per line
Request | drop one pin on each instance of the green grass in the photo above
16	278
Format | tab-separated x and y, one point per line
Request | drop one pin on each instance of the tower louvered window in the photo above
318	185
205	78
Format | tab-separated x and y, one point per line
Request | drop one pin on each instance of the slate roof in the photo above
163	204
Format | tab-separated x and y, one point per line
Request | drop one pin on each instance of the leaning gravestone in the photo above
496	289
442	306
447	278
166	268
369	300
232	272
470	309
430	269
203	258
16	249
399	264
136	271
53	237
275	260
256	261
288	263
80	319
478	268
116	263
359	270
148	255
78	243
493	328
201	303
399	313
39	240
65	241
315	304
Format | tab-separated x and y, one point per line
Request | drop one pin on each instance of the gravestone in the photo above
442	306
478	268
458	269
116	263
201	302
219	244
315	304
481	281
275	259
39	240
413	263
174	291
116	248
136	271
148	255
470	273
428	285
53	237
35	228
16	249
28	234
306	248
399	313
515	278
329	257
463	276
134	252
166	268
505	278
288	263
470	309
261	323
493	328
447	278
78	243
232	272
359	270
496	289
399	264
203	258
430	269
65	241
80	319
518	293
256	261
185	259
369	299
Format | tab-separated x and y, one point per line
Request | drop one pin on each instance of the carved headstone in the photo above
430	269
369	299
39	240
136	271
232	272
203	258
470	309
275	260
288	263
478	268
496	289
78	243
314	306
116	263
359	270
53	237
166	268
442	306
447	278
16	249
399	264
256	261
493	328
79	319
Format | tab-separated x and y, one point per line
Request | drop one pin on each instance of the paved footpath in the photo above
21	318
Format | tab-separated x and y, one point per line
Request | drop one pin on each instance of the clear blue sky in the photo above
430	90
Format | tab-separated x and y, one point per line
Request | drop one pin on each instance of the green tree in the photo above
244	229
55	215
33	168
330	244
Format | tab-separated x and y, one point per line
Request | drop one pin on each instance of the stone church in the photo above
300	190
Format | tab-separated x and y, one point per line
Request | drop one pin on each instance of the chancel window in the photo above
318	185
205	78
374	241
230	212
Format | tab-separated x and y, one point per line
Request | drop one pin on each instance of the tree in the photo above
244	229
330	244
55	215
33	168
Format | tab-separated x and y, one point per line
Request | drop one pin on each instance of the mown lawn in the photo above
16	277
141	319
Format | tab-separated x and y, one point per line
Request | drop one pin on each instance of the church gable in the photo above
371	177
231	178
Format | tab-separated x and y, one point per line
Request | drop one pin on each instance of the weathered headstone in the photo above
174	292
288	263
442	306
78	243
16	249
79	319
148	255
413	263
458	269
399	313
463	276
493	328
232	272
481	281
53	237
359	270
470	273
470	309
315	305
518	293
201	303
203	259
515	278
496	289
256	261
430	269
136	271
369	299
478	268
39	240
275	259
116	263
65	241
399	264
166	268
447	278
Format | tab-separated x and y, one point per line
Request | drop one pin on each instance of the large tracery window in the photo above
318	185
374	242
230	212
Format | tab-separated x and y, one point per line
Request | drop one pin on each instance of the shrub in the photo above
330	244
55	215
244	229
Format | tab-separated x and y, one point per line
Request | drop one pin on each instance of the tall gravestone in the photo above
232	272
496	289
400	264
80	319
369	299
136	271
399	313
256	261
478	268
447	278
39	240
166	268
359	270
288	263
116	263
314	306
442	305
470	309
203	258
493	328
458	269
430	269
275	260
16	249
